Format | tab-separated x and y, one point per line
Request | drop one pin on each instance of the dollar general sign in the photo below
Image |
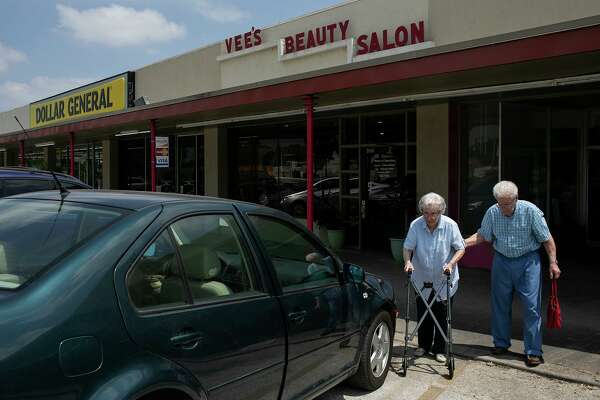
108	96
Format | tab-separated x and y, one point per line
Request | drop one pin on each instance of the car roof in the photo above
25	172
132	200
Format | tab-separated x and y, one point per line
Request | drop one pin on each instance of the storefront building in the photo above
403	98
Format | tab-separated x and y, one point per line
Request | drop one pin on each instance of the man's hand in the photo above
408	267
554	270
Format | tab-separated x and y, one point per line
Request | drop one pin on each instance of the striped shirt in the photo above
431	250
518	234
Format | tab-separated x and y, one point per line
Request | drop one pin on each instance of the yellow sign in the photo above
107	97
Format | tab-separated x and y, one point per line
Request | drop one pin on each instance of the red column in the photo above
72	153
22	152
153	154
308	102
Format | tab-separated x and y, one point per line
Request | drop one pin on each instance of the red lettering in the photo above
300	41
386	45
322	38
289	45
374	43
247	41
344	28
238	43
417	33
228	43
401	36
362	45
310	41
257	37
331	29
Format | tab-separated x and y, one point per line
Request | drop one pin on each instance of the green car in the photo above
117	295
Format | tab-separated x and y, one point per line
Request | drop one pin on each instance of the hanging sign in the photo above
162	151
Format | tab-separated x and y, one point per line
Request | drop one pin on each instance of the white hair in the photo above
505	189
430	200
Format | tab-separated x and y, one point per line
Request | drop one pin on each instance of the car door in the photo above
198	298
323	311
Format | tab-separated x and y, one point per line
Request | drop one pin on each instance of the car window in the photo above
298	261
156	278
212	260
213	257
34	233
17	186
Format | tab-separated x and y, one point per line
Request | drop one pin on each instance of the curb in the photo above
580	378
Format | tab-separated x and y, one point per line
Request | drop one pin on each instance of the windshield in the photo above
34	233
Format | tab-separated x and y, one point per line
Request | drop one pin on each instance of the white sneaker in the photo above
441	358
420	352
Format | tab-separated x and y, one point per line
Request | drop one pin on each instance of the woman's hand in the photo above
447	268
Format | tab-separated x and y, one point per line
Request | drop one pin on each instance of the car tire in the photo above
378	343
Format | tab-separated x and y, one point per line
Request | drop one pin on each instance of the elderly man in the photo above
433	247
516	228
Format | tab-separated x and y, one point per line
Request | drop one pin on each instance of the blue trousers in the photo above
521	275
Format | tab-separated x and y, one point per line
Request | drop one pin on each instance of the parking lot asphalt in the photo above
571	353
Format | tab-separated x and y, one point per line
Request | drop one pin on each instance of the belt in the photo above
427	285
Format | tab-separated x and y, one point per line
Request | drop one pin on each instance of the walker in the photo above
447	338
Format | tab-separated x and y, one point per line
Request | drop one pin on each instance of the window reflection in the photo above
480	133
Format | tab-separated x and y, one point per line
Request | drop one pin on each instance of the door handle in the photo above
186	339
297	316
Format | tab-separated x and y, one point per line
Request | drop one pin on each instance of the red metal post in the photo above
308	102
22	152
72	153
153	154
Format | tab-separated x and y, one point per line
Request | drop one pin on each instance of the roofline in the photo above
373	72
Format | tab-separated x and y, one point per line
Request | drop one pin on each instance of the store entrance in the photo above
379	177
190	164
133	164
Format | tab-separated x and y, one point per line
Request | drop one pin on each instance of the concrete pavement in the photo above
571	353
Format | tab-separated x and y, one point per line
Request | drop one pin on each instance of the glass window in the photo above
34	233
524	150
479	126
298	262
156	278
211	252
17	186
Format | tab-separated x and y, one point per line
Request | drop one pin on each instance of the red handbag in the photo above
554	320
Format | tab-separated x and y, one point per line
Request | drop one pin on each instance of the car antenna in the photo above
63	192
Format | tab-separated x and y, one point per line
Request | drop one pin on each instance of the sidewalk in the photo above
571	353
564	364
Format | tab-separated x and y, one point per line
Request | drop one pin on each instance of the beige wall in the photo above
365	16
432	149
7	119
185	75
460	20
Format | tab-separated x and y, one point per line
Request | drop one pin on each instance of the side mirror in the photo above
354	273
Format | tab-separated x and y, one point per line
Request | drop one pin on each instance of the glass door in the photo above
593	178
190	164
133	162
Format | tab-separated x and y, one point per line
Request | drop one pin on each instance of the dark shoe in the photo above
497	351
533	361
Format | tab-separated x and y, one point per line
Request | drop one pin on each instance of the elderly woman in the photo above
433	247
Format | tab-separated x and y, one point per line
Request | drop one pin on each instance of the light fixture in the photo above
44	144
130	132
2	149
382	133
380	122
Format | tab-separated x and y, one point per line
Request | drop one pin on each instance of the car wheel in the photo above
375	355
